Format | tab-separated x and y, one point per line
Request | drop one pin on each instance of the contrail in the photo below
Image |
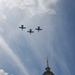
13	56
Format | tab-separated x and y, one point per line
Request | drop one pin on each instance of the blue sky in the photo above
24	54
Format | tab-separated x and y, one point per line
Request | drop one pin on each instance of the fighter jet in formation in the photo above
38	29
30	31
22	27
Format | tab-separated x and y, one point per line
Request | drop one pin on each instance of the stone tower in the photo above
47	72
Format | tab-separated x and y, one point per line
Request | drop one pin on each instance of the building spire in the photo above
47	62
47	68
47	72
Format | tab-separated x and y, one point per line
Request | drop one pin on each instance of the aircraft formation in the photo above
30	30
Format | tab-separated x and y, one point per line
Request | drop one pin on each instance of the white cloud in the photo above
32	7
2	72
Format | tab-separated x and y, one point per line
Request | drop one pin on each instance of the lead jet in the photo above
22	27
30	31
38	28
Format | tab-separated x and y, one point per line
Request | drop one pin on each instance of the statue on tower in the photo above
48	72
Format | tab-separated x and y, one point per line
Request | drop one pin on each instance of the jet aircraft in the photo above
30	31
38	28
22	27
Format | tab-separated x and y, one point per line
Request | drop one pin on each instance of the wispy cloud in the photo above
13	56
32	7
1	30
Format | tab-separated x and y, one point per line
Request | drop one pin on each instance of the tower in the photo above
47	72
